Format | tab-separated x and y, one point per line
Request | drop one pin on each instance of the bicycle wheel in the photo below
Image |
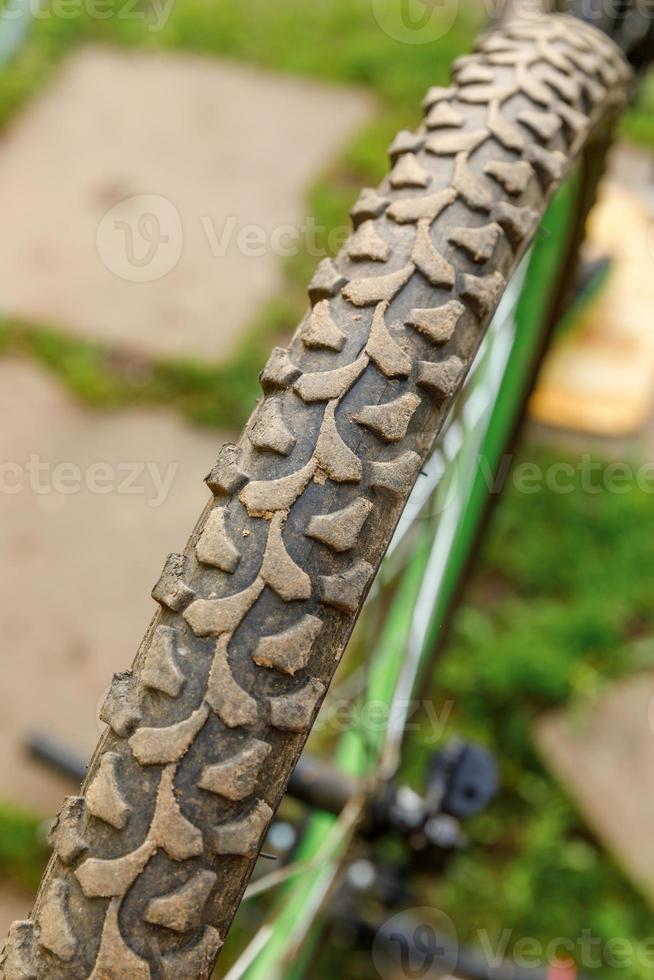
151	861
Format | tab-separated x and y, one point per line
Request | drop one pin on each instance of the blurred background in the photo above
170	174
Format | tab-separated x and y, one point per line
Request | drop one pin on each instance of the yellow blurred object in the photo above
600	377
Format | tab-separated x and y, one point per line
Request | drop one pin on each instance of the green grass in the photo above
23	851
208	394
560	606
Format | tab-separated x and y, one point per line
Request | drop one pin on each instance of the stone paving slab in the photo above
127	182
84	531
605	759
599	378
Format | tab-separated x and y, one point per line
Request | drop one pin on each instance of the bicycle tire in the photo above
149	864
630	25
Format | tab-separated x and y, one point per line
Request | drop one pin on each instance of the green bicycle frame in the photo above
287	942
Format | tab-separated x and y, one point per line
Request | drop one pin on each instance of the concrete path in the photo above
148	200
90	505
605	759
